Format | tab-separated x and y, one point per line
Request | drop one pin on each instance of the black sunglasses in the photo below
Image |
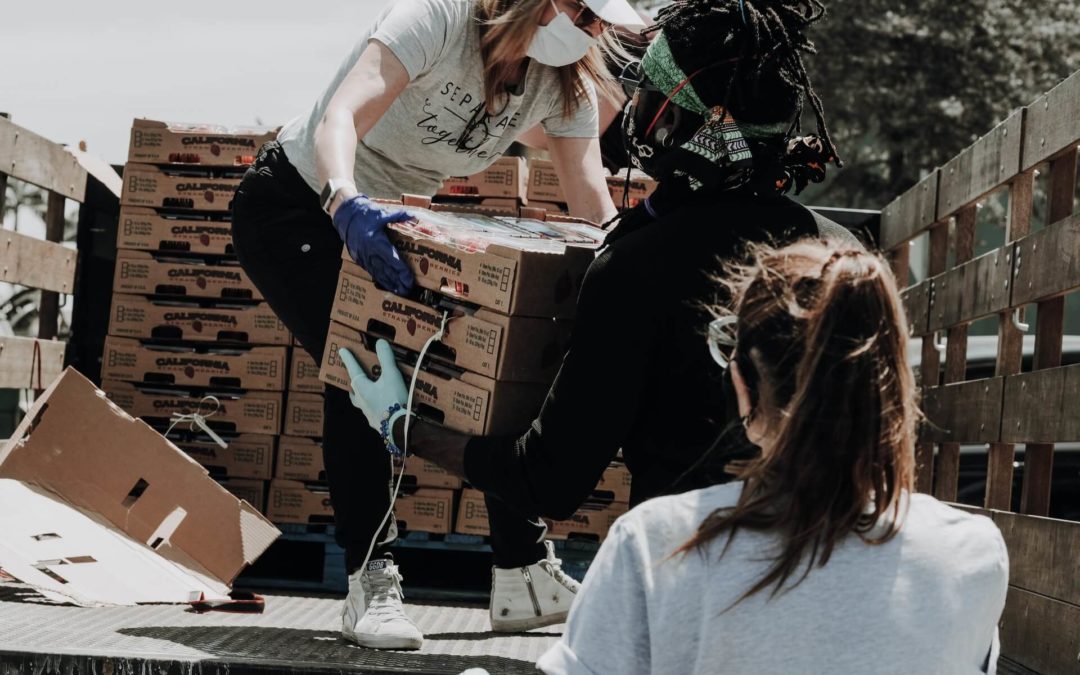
586	18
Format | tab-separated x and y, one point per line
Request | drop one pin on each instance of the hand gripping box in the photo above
143	273
521	349
522	267
137	316
303	414
146	229
472	515
503	179
154	142
304	373
96	508
464	401
290	501
260	368
202	190
247	412
300	459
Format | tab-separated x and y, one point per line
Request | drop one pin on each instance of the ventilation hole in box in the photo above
233	336
428	412
167	332
134	493
81	559
157	542
45	536
49	573
233	382
170	289
381	329
237	293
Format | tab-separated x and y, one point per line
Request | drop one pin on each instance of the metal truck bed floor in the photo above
294	634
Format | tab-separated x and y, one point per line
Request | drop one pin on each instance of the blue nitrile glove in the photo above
361	224
383	400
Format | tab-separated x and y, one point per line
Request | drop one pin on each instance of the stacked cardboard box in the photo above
508	288
189	332
498	189
545	190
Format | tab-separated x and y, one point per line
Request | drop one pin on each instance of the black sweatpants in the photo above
291	251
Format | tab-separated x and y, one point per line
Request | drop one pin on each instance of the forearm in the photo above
434	443
335	145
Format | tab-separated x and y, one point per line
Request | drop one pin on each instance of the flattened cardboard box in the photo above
544	183
426	510
142	273
508	280
421	473
129	360
291	501
251	491
148	230
137	316
520	349
472	516
255	412
146	185
303	414
464	401
154	142
248	456
97	508
304	373
504	179
592	521
300	459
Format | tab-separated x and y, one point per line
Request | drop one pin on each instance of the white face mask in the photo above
559	43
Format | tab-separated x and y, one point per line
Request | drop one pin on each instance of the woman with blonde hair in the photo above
434	88
820	558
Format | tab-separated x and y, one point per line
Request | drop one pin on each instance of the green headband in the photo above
659	65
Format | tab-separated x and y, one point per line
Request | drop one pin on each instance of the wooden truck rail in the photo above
28	362
1041	623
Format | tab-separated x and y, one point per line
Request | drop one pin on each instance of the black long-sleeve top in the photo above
638	374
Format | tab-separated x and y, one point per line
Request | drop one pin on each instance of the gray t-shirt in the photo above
928	601
412	148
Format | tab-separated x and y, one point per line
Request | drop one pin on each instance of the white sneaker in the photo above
523	598
373	615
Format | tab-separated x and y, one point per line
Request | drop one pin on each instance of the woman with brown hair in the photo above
434	88
820	558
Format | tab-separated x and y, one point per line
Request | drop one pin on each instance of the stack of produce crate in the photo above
545	189
189	334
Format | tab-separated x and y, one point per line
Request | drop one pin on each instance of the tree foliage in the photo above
909	85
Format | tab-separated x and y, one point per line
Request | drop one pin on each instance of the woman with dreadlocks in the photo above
716	101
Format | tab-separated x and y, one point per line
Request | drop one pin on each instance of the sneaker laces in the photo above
554	566
384	591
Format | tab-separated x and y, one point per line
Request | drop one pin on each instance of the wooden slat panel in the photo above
989	163
36	263
917	307
19	365
1040	633
1049	262
910	213
1042	554
1052	123
971	291
49	304
35	159
1042	406
967	412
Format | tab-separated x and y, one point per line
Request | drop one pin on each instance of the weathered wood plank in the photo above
26	363
1052	123
35	263
910	214
1048	262
37	160
987	164
967	412
917	307
1042	554
972	290
1040	633
1042	406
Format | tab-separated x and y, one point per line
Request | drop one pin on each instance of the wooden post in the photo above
1050	325
999	471
938	255
49	308
948	465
